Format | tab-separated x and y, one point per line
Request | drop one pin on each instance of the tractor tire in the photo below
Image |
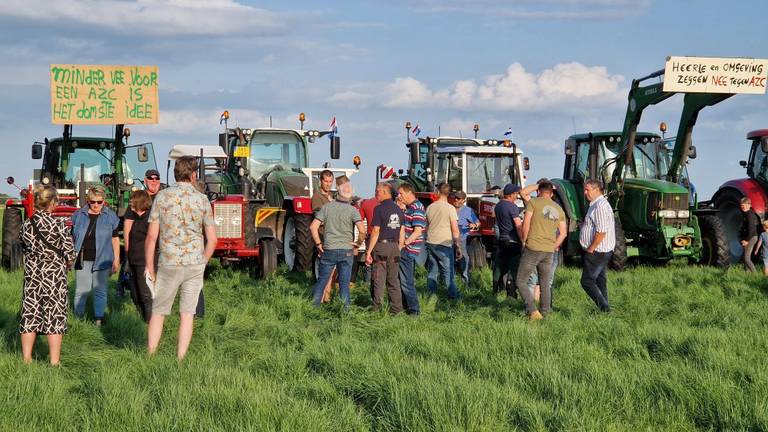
267	257
12	220
619	259
715	251
251	240
730	217
298	247
477	253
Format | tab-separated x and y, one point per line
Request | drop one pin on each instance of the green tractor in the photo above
656	213
261	196
73	165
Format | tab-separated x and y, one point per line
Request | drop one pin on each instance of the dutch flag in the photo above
334	128
416	130
508	132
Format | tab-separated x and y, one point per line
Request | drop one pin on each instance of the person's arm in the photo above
602	224
562	233
525	193
372	244
518	227
415	235
116	251
314	228
127	225
759	243
210	241
149	248
599	236
401	238
526	226
361	237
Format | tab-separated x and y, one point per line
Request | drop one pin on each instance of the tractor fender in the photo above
747	187
567	194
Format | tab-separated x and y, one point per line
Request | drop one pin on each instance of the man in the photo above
467	221
749	232
597	238
182	219
337	249
543	218
533	281
411	243
442	235
323	195
510	227
384	251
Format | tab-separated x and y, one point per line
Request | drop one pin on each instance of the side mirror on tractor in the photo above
526	163
37	151
692	152
335	147
142	153
743	163
570	147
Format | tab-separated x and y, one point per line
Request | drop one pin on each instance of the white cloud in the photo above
153	17
565	87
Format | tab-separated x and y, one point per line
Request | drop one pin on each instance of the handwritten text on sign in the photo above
96	94
715	75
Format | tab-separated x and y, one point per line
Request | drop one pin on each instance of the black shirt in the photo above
89	242
506	212
388	217
750	225
136	238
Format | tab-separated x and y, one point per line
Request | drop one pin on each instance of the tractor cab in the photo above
757	165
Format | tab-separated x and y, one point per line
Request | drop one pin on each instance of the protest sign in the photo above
715	75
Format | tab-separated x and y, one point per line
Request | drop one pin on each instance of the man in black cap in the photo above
510	247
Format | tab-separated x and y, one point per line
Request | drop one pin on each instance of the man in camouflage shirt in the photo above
183	220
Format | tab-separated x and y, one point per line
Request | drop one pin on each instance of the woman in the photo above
134	245
47	254
94	229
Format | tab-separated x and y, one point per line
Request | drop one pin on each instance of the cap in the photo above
151	172
510	189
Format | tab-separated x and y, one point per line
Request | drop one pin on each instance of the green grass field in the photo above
684	349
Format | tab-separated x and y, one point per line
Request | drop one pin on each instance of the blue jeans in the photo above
86	280
593	277
407	284
441	259
464	261
342	260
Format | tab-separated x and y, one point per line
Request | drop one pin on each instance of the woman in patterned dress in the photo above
48	253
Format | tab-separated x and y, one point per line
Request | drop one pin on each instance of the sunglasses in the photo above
153	178
97	202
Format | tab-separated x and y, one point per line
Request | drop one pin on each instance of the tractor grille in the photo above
668	201
229	220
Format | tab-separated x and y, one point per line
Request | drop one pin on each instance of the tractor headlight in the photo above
667	214
235	221
218	220
683	214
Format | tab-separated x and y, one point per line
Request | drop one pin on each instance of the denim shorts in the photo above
765	260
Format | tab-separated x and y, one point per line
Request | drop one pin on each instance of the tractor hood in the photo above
653	185
290	183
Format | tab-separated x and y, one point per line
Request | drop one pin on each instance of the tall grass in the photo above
684	349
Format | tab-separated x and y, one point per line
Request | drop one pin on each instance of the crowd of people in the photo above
169	236
400	229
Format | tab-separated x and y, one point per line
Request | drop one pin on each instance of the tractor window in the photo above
441	174
271	149
135	169
486	171
420	169
582	160
760	163
95	163
605	154
455	172
645	161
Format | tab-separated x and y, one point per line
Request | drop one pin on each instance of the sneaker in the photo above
535	316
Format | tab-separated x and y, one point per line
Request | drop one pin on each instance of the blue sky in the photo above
545	68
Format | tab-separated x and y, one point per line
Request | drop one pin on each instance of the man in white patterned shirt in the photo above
597	239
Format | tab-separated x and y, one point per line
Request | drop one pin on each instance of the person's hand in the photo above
115	266
590	250
744	243
150	270
319	247
458	254
368	259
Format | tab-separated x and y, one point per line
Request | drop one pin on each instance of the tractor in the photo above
471	165
74	164
263	190
656	214
754	187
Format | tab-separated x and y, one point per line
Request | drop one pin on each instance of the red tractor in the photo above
754	187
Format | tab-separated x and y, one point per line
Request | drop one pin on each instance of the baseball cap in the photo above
510	189
151	172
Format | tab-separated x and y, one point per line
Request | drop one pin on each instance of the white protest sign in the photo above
715	75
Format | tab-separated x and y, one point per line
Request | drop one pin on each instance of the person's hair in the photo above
444	189
44	196
326	174
594	184
140	200
460	195
546	187
184	167
383	186
406	187
345	191
765	224
96	192
746	200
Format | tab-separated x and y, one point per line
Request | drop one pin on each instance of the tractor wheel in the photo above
619	259
715	251
250	225
11	238
267	257
298	247
477	253
730	216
